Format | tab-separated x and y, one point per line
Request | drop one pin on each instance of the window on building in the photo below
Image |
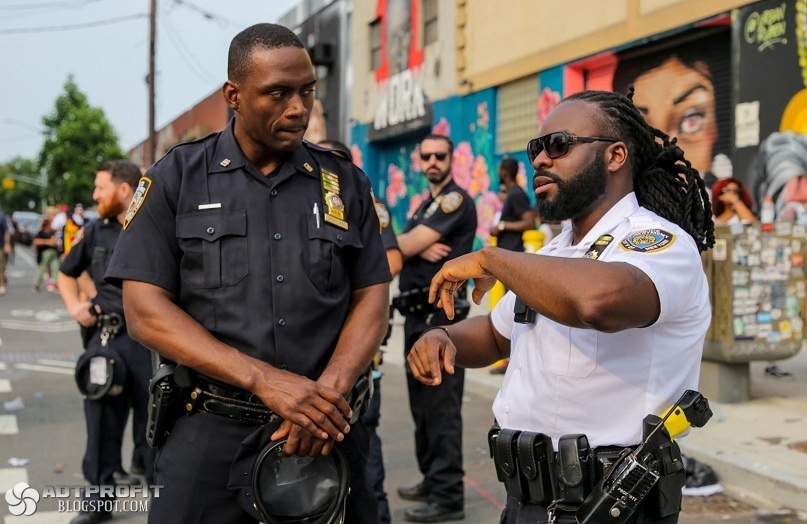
517	114
375	44
429	21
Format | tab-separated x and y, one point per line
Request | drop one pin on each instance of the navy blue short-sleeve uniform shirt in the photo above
265	263
91	252
452	213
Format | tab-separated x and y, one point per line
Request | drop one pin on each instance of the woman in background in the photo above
47	255
732	202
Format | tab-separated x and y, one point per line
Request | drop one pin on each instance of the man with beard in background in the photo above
441	229
106	412
603	325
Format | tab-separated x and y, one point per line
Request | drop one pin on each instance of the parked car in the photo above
27	226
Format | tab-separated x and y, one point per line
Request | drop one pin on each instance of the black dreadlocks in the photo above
664	181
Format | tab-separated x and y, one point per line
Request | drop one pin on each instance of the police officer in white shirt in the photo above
605	324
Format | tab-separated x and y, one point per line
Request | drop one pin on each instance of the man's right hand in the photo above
432	353
321	411
435	252
82	312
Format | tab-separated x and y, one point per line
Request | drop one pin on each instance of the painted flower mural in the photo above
396	187
462	164
547	100
473	169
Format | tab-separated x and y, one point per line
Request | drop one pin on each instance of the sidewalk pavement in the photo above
758	447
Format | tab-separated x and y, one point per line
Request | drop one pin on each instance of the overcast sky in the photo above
106	50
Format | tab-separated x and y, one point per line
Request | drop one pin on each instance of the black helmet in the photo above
280	489
100	372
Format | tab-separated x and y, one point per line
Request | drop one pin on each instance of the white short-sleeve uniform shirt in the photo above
564	380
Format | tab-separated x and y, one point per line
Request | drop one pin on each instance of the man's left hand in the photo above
301	442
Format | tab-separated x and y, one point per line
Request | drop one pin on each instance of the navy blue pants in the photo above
193	466
106	418
437	413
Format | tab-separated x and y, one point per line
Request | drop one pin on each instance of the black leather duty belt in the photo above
533	473
227	401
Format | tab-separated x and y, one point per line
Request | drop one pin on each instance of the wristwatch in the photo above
501	226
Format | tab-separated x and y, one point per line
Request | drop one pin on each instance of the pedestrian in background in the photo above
516	218
107	412
47	255
442	228
14	234
732	203
5	244
253	260
604	325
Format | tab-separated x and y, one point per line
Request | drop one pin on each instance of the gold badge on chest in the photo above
334	206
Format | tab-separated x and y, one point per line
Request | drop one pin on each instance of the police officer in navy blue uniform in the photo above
254	259
130	370
442	228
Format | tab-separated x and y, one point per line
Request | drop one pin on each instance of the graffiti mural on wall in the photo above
771	113
401	183
401	104
684	90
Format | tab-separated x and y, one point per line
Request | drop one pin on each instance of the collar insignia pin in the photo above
308	167
225	162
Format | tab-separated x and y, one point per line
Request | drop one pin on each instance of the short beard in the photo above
111	211
437	178
575	196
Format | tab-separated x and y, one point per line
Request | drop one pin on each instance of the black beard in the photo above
574	196
437	178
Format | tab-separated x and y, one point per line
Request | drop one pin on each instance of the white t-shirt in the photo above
563	380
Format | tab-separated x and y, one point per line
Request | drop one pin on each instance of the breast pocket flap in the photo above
212	226
336	236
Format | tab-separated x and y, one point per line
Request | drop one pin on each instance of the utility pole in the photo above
152	149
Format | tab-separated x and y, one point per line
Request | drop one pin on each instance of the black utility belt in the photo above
219	399
533	473
222	399
415	303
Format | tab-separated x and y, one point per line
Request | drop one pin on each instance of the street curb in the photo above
756	479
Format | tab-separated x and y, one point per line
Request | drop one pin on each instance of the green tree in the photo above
78	137
22	191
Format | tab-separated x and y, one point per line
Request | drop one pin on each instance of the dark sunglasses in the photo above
557	144
736	190
439	156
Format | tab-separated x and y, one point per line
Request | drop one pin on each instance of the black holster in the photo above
666	495
574	468
165	401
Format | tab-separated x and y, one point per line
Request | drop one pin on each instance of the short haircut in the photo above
510	165
440	137
122	171
267	36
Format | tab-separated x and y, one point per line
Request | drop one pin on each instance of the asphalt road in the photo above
42	432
